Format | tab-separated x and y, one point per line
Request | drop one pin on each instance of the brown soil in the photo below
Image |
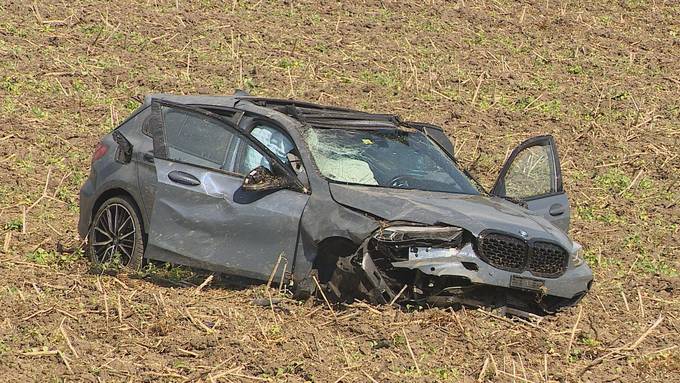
604	78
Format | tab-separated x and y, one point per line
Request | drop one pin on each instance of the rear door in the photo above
532	176
195	220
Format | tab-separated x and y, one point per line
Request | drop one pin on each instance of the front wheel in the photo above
115	239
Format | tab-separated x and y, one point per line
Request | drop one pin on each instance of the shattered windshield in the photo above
387	157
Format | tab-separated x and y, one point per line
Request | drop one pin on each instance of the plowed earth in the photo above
603	77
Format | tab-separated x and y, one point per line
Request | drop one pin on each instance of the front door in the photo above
195	219
532	175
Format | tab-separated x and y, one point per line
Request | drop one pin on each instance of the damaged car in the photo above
362	205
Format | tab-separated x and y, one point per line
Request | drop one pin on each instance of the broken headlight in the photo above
577	256
398	242
429	235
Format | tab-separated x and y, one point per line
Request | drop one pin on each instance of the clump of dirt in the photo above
601	77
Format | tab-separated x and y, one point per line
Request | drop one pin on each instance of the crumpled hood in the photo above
474	213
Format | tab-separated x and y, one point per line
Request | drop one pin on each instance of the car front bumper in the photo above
574	282
459	278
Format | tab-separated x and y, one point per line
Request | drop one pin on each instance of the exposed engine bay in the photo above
439	266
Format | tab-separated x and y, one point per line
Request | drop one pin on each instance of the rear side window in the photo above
195	139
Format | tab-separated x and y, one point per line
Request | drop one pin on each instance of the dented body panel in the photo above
219	232
474	213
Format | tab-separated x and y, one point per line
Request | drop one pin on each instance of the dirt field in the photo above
603	78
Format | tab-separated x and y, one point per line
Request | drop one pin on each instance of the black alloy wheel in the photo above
115	238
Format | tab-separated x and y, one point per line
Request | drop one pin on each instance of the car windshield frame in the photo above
470	187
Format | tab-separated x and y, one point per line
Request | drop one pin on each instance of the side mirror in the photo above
262	179
438	135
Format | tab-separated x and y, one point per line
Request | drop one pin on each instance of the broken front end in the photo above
446	265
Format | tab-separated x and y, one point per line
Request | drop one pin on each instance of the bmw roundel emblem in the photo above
524	234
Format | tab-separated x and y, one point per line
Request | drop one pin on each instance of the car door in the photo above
195	219
532	176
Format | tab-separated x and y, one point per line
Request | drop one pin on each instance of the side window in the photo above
531	173
250	159
274	140
195	139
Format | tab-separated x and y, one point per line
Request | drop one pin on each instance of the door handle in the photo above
556	209
148	157
183	178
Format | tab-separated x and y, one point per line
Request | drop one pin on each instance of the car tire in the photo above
116	238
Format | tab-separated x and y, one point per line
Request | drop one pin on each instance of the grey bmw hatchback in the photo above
360	205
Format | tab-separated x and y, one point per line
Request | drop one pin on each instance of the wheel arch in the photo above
118	192
328	252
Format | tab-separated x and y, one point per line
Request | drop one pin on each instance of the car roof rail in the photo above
305	111
353	124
